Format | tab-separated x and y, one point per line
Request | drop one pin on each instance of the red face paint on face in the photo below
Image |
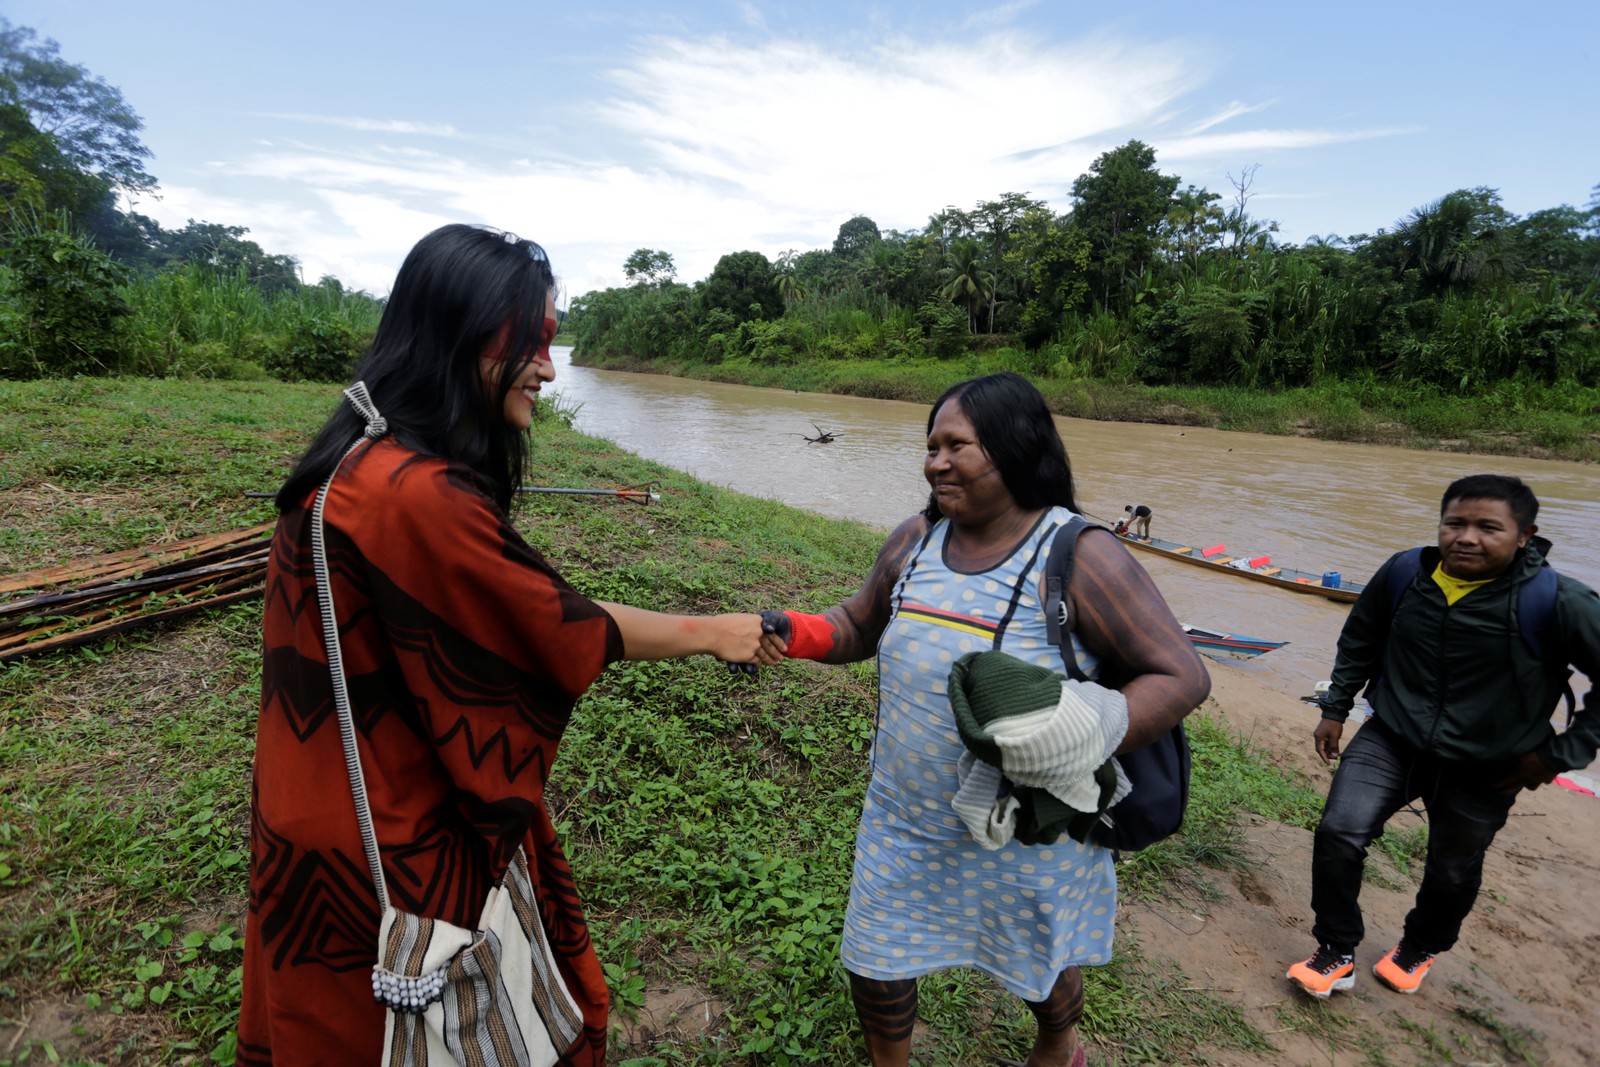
497	350
546	335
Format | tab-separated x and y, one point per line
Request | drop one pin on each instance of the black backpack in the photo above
1153	811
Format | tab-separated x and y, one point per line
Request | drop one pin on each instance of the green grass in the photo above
710	818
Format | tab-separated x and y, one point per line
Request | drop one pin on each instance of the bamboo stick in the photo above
128	561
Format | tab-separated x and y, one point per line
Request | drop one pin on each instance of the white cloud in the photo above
708	145
1249	142
900	129
1232	111
429	129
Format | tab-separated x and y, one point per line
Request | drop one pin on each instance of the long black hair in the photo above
1019	434
462	292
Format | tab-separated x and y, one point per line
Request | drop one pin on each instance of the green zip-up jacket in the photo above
1459	681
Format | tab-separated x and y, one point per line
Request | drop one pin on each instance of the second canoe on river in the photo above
1238	646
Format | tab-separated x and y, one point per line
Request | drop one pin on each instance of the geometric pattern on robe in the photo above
464	653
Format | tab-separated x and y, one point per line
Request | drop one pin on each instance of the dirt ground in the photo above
1518	988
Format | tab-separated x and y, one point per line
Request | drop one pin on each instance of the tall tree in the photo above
856	235
820	271
649	267
1249	235
1053	257
789	285
1118	207
1194	225
965	281
1456	242
35	176
1552	242
896	268
1593	214
224	250
744	285
88	117
997	222
947	225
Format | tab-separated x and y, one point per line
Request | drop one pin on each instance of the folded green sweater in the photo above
1049	738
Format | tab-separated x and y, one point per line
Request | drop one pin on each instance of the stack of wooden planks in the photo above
72	604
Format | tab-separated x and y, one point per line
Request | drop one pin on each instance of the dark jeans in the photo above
1378	775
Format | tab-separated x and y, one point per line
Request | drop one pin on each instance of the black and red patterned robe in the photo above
464	652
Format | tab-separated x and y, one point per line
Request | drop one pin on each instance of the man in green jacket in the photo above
1461	695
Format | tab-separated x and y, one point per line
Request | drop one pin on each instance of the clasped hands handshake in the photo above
769	631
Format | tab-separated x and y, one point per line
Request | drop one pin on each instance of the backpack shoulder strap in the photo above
1020	588
1536	608
1402	572
1536	614
1407	565
1057	577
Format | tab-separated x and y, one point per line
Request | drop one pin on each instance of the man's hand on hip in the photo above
1527	772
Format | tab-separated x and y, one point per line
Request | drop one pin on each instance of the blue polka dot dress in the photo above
924	895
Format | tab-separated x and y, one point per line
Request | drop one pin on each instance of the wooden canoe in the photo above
1257	568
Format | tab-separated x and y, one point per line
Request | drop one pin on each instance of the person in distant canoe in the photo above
1467	648
1135	521
967	574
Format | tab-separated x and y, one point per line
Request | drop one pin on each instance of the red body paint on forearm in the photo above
810	636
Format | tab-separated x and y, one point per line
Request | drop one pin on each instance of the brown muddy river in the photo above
1313	505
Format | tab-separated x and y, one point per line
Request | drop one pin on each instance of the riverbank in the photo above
710	819
1516	420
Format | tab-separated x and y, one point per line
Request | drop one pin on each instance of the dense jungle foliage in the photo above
89	287
1145	281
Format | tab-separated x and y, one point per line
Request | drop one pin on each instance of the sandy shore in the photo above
1518	988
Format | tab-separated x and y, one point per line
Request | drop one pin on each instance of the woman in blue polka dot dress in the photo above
926	896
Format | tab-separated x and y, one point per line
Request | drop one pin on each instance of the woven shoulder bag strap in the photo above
376	428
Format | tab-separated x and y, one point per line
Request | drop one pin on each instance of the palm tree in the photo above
1456	241
946	226
789	287
966	282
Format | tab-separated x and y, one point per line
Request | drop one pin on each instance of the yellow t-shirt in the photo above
1455	588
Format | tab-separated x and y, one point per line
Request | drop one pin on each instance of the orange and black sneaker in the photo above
1403	969
1326	972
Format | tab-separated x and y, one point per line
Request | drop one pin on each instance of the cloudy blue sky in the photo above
340	132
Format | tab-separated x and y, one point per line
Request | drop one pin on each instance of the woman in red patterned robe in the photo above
464	653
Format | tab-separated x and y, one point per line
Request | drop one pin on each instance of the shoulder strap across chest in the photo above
1057	578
